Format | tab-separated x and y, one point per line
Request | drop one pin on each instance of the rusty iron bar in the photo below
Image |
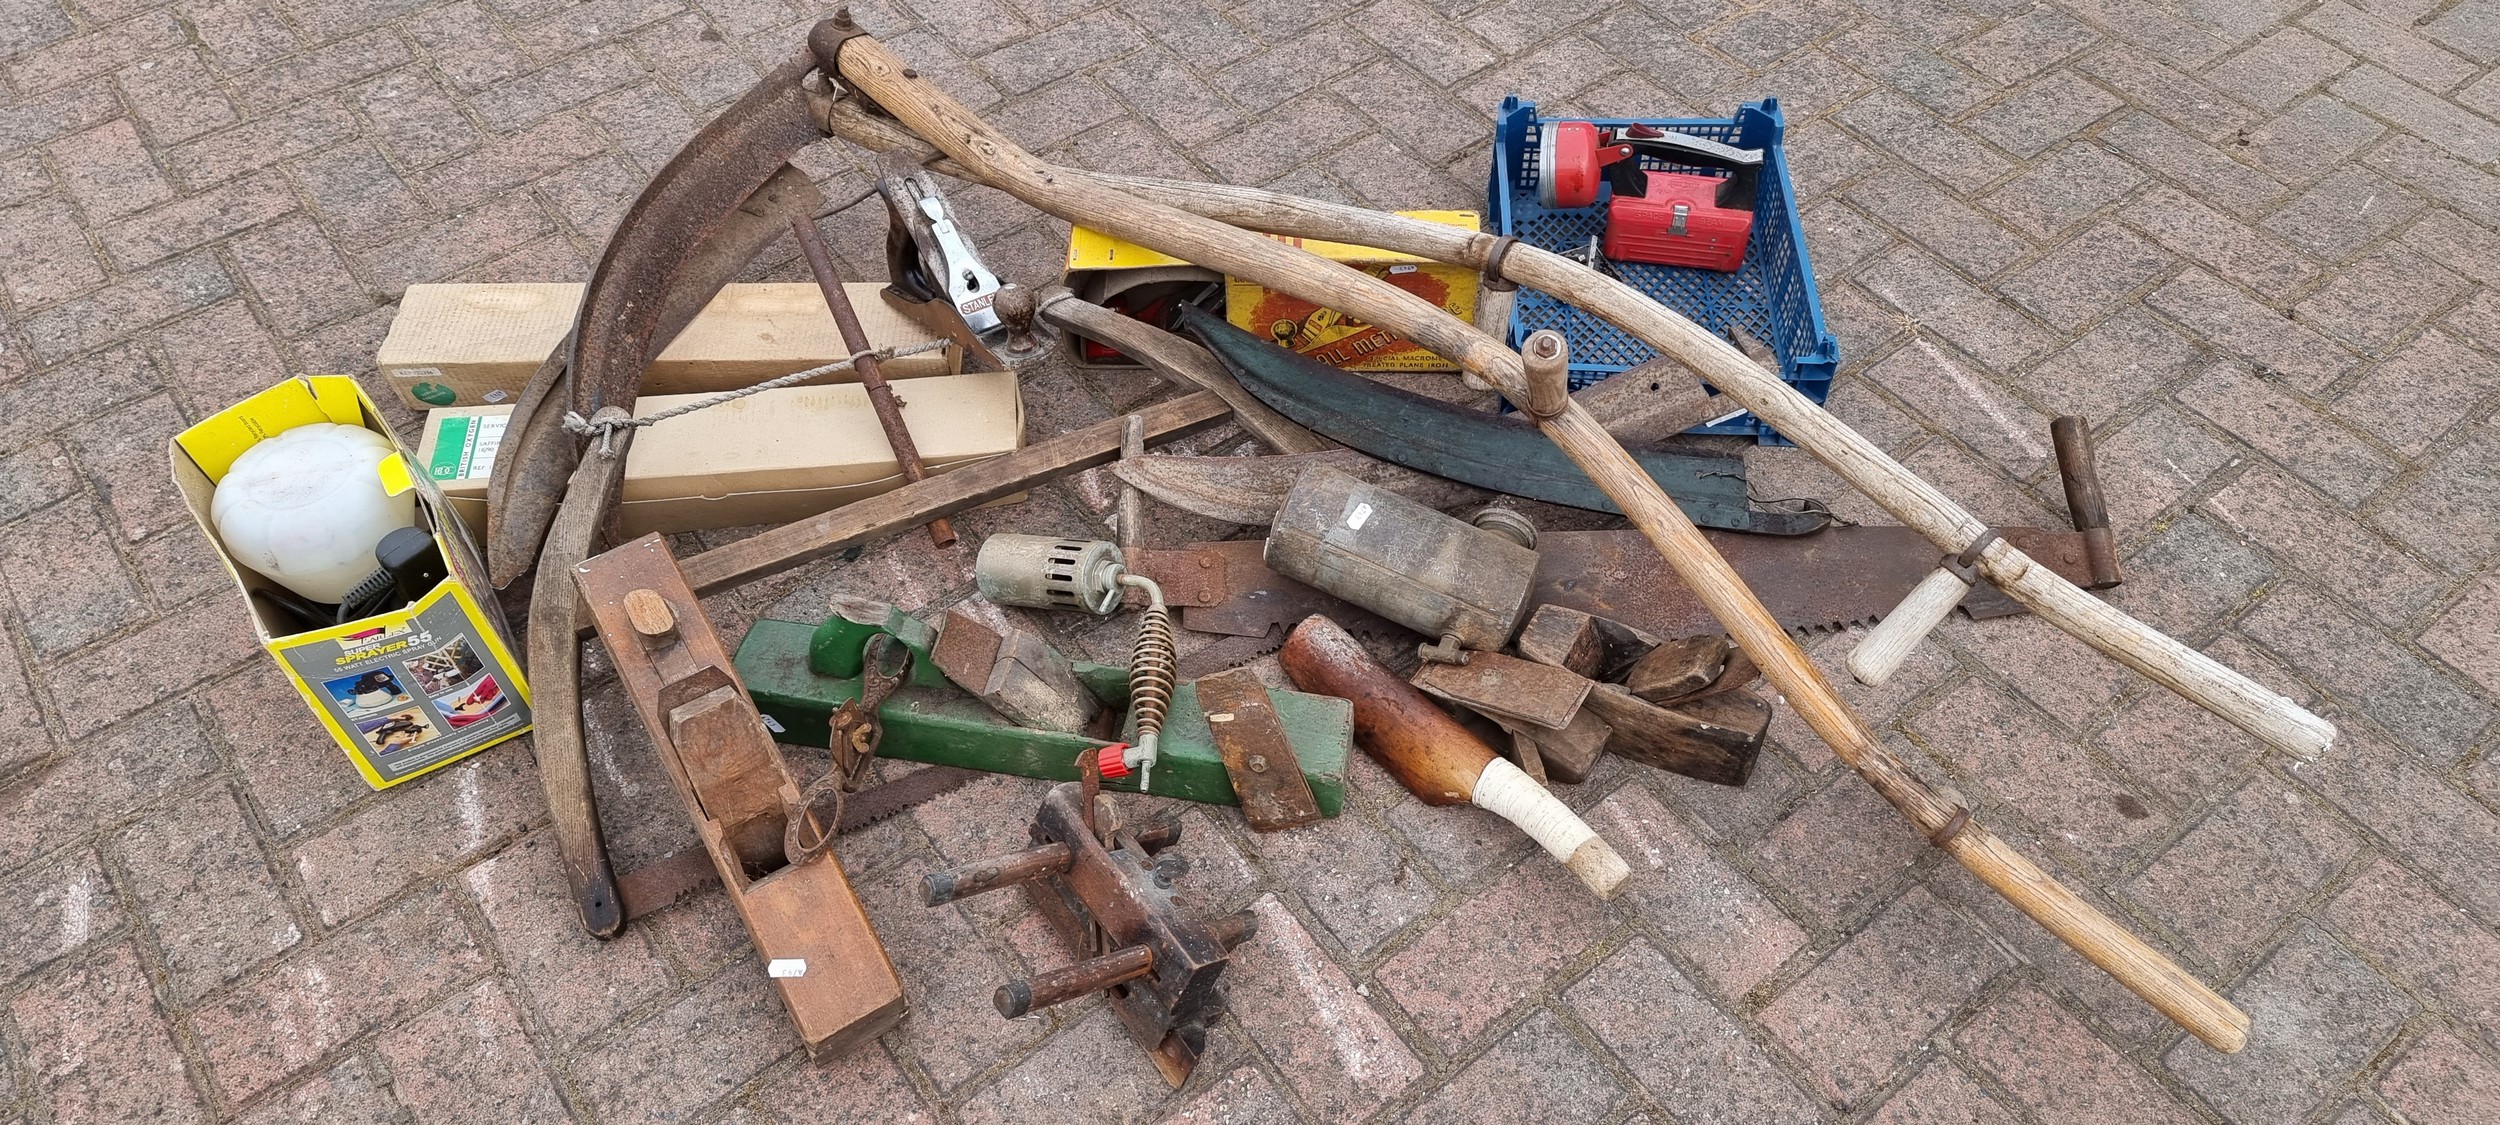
871	373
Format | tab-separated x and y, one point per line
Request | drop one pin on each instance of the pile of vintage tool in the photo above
1554	646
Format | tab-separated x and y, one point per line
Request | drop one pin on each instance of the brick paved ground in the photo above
2253	239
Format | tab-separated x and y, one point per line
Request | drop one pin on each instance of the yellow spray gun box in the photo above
403	691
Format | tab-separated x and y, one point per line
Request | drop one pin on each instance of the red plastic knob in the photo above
1112	760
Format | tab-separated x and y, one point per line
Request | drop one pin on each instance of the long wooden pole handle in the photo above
1879	654
2273	719
987	155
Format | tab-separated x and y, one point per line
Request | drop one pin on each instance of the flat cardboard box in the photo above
476	345
1097	260
771	457
406	692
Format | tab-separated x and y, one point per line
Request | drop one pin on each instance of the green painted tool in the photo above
800	674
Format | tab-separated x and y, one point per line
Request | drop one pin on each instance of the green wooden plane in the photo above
800	674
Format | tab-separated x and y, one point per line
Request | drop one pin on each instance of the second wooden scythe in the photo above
984	154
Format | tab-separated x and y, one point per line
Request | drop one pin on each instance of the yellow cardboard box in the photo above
405	692
771	457
1322	334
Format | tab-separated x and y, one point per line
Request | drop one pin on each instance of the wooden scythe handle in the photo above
2199	678
985	155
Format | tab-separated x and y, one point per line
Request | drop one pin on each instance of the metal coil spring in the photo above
1152	669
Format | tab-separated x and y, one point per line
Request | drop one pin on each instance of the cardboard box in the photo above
476	345
770	457
405	692
1322	334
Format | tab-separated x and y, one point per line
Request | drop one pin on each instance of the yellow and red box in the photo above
1097	261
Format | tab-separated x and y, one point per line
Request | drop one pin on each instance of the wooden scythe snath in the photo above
1164	217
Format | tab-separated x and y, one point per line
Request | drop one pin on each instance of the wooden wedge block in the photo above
1562	637
1672	741
1679	669
1538	694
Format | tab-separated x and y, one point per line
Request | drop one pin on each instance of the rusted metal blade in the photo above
1832	579
700	219
1257	753
1248	490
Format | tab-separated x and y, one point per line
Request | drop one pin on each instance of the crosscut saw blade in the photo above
1832	579
1503	454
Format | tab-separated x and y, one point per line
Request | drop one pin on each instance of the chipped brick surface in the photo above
2257	245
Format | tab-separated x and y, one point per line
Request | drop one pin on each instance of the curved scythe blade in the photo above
719	200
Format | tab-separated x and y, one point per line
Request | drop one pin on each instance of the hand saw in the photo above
1833	579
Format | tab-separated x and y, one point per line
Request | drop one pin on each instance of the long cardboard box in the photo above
476	345
770	457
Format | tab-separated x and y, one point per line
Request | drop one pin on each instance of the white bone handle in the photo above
1508	792
1888	644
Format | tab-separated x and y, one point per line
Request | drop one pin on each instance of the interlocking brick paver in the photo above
467	1058
2376	299
2427	708
1337	1053
2327	1014
55	909
2094	271
2063	188
98	1046
2050	1061
1942	1095
2391	917
2268	507
260	1032
1835	849
692	1053
100	779
866	1083
1692	1058
1459	976
351	1093
1703	907
1536	1073
202	887
2279	67
2227	883
1869	1002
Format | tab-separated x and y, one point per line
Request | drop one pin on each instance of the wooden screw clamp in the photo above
1102	888
1154	216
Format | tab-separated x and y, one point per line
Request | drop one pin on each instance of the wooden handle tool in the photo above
1437	759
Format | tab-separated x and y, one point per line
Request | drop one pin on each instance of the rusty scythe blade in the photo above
718	201
721	198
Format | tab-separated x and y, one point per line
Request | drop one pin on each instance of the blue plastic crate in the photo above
1772	295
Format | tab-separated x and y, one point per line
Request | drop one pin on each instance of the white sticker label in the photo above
1403	267
1356	518
772	724
416	372
786	967
1220	717
497	395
